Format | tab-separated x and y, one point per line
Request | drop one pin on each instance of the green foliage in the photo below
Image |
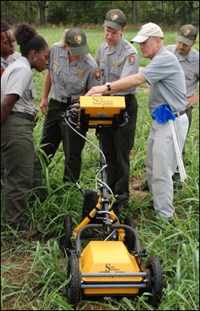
168	12
56	14
93	12
17	11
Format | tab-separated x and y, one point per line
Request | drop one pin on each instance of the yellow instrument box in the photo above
108	258
101	109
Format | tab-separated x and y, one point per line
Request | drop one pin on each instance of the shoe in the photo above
164	219
161	222
29	234
41	194
142	186
120	210
151	207
24	230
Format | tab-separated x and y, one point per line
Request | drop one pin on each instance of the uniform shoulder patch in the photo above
131	59
97	75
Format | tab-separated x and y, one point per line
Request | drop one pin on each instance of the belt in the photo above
24	115
178	114
63	105
128	95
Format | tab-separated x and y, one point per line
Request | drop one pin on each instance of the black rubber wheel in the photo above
74	276
129	236
65	240
155	281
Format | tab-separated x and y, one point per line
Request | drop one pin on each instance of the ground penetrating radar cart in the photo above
112	262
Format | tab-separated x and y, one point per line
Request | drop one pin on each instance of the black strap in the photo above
23	115
178	114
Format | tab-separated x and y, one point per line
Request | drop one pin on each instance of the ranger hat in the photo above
115	19
146	31
187	34
76	41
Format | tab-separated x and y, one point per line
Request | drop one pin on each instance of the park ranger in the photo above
167	103
117	58
72	72
17	124
8	56
8	44
189	61
188	58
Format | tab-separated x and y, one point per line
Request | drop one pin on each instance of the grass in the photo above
34	273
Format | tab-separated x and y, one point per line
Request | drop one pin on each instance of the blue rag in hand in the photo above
162	114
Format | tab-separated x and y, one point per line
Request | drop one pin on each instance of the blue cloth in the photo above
162	114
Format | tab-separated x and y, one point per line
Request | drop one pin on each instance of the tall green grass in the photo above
34	273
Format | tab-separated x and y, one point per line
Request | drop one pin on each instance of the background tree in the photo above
43	5
78	13
134	12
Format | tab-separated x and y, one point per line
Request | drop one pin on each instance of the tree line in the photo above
93	12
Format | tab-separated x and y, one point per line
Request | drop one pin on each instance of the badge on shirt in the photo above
55	63
117	63
80	74
131	59
97	75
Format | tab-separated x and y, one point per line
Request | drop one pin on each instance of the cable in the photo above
86	139
95	146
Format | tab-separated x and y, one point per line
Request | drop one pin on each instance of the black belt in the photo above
63	105
23	115
128	95
178	114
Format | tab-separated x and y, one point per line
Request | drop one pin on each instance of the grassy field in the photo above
33	273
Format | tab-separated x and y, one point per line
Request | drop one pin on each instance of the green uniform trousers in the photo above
54	131
117	144
189	115
17	148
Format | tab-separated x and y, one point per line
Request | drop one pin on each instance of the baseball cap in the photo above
115	19
146	31
76	41
187	34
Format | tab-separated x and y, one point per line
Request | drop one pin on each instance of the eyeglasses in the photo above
145	42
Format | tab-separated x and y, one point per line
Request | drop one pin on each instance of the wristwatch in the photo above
108	86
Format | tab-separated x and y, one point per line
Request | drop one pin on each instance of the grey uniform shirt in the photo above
190	66
18	79
121	61
167	81
9	60
71	79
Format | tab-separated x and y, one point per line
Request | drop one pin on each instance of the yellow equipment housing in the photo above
108	257
113	266
101	109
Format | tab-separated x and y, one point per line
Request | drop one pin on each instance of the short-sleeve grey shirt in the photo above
121	61
190	66
9	60
71	79
18	79
167	81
